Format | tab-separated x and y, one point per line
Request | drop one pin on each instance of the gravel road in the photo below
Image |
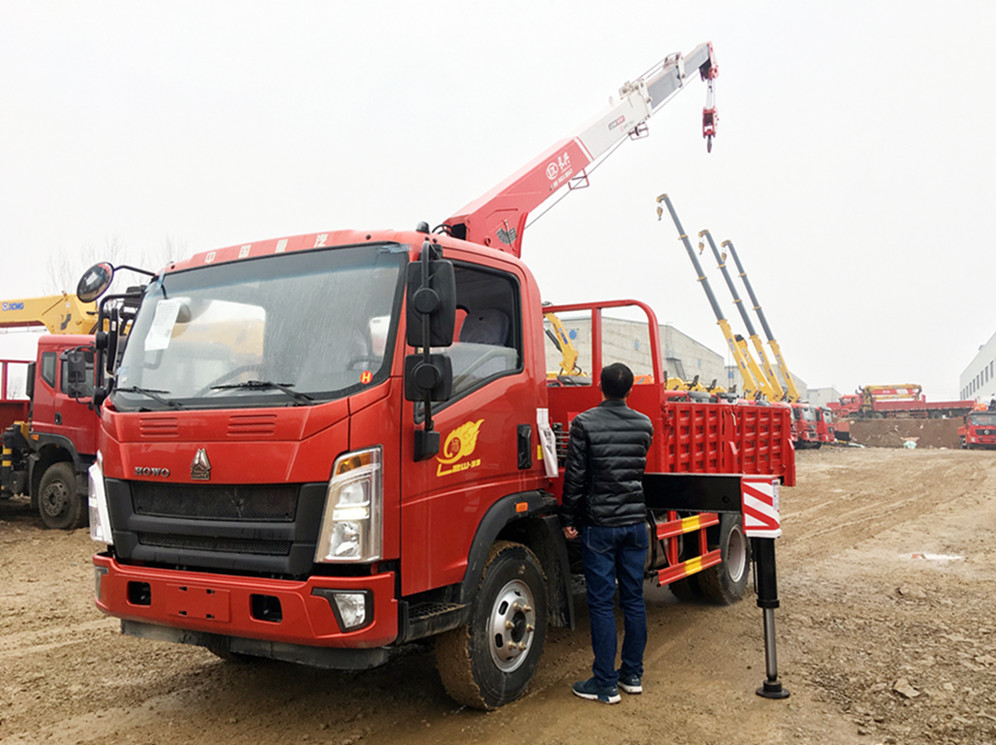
886	634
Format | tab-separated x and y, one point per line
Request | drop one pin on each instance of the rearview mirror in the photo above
95	282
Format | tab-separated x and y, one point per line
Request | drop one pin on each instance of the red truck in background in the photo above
905	401
49	439
825	431
979	430
319	448
805	430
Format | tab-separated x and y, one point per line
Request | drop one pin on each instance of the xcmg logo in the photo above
13	306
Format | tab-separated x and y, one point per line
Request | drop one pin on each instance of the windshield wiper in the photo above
152	393
262	385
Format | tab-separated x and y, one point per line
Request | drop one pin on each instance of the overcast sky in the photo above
855	167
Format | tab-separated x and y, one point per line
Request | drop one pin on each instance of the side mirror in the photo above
77	383
431	300
432	378
430	321
95	282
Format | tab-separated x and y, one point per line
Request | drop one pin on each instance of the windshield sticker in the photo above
366	376
162	324
459	446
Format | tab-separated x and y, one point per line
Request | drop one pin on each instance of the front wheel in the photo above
726	582
490	661
60	503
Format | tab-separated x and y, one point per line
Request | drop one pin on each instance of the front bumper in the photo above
282	611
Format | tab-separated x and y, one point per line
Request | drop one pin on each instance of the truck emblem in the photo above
459	444
200	469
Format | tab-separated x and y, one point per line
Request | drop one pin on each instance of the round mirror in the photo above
95	282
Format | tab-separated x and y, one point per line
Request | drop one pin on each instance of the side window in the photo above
488	337
82	387
48	368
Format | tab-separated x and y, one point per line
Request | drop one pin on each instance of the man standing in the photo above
603	502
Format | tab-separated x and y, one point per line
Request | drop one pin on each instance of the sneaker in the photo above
631	684
590	690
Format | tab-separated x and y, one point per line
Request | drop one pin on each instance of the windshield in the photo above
287	329
984	419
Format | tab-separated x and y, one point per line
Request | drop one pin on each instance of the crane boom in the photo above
793	392
751	386
60	314
498	218
773	389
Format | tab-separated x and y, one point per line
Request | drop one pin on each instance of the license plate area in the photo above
198	602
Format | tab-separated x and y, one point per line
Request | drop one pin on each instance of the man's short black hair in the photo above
616	380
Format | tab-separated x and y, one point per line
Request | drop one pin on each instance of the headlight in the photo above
351	523
100	514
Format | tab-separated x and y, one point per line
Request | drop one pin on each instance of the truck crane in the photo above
406	468
811	426
498	218
752	386
777	393
49	441
792	393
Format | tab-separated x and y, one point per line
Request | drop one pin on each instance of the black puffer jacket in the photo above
606	457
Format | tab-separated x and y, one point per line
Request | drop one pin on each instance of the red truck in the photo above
979	430
49	439
825	430
319	448
906	401
805	428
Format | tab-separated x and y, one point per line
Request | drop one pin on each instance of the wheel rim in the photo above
736	555
513	625
54	499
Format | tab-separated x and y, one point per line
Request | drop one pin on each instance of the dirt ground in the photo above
894	433
886	634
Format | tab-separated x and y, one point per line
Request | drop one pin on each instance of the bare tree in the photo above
64	273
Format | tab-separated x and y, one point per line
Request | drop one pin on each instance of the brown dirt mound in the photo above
893	433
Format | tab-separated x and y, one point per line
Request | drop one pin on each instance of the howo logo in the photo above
149	471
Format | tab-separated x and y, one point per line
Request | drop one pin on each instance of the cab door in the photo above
487	433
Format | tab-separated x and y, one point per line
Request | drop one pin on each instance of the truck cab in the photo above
979	430
51	449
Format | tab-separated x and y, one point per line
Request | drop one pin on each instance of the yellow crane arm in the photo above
60	314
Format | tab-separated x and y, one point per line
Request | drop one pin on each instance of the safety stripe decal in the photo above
760	505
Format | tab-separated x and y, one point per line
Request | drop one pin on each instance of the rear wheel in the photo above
60	503
490	661
726	582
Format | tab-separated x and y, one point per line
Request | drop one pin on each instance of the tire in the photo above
687	590
725	583
60	503
478	664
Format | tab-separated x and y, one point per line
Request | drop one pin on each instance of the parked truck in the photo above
49	439
322	447
979	430
896	401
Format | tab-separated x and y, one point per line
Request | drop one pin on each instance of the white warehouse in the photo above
978	380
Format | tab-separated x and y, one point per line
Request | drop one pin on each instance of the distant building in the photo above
978	380
629	342
822	396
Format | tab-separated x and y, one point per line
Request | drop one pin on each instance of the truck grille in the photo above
267	502
267	529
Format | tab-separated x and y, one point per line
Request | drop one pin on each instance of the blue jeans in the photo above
611	554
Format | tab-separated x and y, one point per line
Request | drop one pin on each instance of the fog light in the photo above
352	608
